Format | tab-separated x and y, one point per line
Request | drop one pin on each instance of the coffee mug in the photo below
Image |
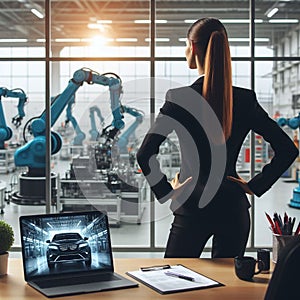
245	267
264	256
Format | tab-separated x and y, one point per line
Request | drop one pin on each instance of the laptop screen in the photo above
65	243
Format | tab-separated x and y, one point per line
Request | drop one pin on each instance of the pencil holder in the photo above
279	242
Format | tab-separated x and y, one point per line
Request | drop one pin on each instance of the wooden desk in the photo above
13	286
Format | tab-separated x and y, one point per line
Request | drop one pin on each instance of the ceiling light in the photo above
13	40
104	21
127	40
190	21
247	39
261	40
37	13
293	21
272	12
86	40
95	26
142	21
158	40
182	40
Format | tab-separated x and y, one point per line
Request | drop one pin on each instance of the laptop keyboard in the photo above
49	283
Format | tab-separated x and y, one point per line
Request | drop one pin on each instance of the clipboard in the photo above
158	280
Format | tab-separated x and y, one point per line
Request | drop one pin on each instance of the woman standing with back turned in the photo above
225	215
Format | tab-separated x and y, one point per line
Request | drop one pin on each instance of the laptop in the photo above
69	253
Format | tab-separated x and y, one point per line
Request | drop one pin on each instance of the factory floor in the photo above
135	232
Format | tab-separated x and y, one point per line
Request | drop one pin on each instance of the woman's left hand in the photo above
177	186
242	182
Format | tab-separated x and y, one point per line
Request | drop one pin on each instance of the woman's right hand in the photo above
242	183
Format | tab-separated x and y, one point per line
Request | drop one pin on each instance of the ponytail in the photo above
217	85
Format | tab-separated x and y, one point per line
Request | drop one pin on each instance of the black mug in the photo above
264	256
245	267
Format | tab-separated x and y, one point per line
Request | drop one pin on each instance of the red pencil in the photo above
271	222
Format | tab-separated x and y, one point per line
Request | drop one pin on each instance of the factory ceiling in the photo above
76	22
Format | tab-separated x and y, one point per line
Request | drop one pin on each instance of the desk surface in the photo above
13	286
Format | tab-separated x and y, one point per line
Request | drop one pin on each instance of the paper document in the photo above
176	278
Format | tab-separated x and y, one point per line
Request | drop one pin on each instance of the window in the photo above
119	38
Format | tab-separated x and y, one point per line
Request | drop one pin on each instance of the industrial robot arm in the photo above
33	154
80	135
5	131
95	134
293	123
124	137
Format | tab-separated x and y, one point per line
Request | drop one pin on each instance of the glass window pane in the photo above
169	153
122	29
86	180
241	74
21	79
22	26
280	98
175	17
277	28
100	29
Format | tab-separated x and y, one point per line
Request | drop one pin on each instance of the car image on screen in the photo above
68	248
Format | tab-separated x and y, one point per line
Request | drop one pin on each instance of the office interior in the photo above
44	44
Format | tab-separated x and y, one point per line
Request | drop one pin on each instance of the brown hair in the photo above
210	39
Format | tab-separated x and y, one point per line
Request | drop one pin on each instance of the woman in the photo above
224	215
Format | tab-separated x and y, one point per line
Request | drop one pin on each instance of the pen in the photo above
277	226
278	219
155	268
180	276
292	224
271	222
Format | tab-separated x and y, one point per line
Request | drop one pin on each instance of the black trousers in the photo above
190	232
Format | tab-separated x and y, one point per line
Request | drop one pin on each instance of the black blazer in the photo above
181	112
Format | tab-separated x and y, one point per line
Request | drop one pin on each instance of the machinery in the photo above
33	153
67	133
95	134
119	172
79	134
7	153
293	123
125	136
106	177
5	131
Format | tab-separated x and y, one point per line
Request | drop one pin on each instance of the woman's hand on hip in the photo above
242	182
177	186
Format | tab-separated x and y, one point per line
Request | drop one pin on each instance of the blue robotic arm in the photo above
5	131
95	134
33	153
293	123
124	137
80	135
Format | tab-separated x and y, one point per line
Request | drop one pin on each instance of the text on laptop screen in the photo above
65	243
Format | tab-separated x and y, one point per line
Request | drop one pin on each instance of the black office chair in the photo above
285	280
